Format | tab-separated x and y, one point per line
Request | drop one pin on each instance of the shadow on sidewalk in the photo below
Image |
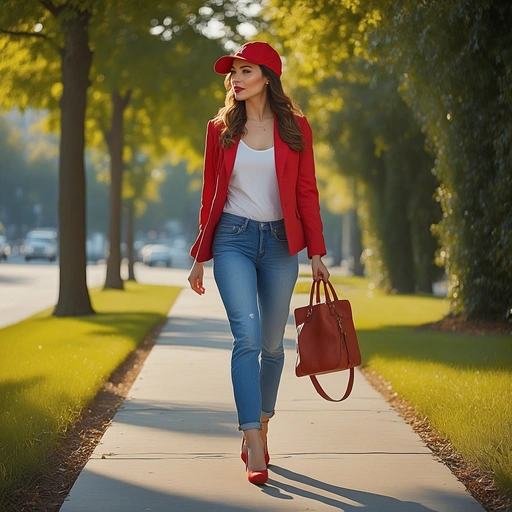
208	419
115	495
206	333
346	499
196	332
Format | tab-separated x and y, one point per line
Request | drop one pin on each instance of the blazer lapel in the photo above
280	151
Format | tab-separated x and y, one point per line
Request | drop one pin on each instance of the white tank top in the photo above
253	190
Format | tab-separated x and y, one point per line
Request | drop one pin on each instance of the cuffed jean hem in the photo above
249	426
268	414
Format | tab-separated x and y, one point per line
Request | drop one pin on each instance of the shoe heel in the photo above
257	477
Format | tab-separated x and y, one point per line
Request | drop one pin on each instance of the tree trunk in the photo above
356	245
115	142
74	297
397	244
129	241
395	226
356	242
336	238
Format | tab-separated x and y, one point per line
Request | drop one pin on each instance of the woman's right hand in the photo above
195	278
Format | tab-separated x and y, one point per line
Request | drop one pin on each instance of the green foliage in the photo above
378	142
161	50
176	200
455	75
30	72
52	367
355	107
155	51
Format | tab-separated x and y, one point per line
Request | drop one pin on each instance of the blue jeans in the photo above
255	275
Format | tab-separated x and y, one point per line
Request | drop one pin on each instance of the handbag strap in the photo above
315	290
324	395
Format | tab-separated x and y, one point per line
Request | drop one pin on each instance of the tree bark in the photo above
336	247
356	237
356	245
74	297
115	142
129	241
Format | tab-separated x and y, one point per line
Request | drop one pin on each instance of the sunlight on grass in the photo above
372	309
473	408
463	384
50	368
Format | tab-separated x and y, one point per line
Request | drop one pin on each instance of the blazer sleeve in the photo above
308	202
209	183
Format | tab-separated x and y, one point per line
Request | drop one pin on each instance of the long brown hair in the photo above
232	117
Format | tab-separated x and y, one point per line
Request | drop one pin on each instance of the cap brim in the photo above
223	65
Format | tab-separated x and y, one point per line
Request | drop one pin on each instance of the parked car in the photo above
179	253
95	247
5	248
41	244
156	254
137	247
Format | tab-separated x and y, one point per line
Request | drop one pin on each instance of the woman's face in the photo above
247	80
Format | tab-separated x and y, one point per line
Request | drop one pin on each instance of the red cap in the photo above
255	52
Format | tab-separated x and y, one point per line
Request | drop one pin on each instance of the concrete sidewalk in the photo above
174	443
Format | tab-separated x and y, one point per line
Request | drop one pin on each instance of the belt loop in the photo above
246	223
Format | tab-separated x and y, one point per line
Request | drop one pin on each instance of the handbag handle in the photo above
324	395
315	290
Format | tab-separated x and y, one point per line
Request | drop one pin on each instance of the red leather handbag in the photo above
326	338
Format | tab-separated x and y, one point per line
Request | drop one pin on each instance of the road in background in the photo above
28	288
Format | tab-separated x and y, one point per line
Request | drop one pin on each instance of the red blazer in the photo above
297	190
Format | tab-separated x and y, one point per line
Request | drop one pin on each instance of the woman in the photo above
259	208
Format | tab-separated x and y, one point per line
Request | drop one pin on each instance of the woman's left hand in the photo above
320	271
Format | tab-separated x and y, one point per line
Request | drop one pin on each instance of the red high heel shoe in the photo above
243	455
258	477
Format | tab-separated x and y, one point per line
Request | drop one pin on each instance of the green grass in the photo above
463	384
50	368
